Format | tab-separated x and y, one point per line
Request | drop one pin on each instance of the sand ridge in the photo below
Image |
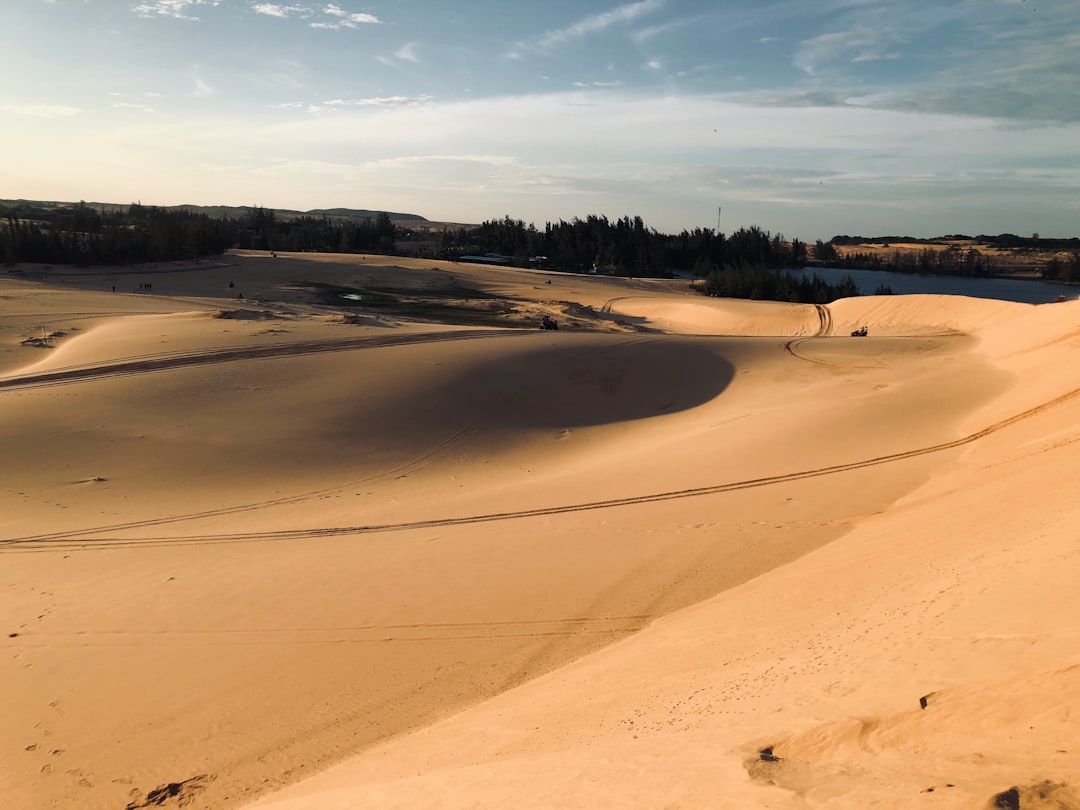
247	539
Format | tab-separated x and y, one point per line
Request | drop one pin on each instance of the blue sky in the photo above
809	118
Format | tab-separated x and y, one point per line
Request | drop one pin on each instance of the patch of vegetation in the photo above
755	281
462	307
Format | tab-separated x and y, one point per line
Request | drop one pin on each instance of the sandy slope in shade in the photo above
237	550
962	594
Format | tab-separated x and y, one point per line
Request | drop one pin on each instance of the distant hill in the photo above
360	213
233	211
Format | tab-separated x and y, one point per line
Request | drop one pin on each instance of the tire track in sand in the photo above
825	325
557	627
92	539
824	320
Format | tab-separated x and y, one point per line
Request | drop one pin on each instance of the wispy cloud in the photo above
202	88
128	105
333	17
281	11
412	160
821	54
344	19
337	104
287	73
593	24
380	101
407	52
176	9
665	27
40	110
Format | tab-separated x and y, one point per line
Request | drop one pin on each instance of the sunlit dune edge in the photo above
691	552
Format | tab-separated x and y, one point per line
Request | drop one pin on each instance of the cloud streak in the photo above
592	24
338	104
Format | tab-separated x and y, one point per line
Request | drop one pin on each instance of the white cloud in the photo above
177	9
338	17
281	11
345	19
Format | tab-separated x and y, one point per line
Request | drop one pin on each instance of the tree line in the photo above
623	247
737	264
84	235
743	264
1001	240
1063	267
952	261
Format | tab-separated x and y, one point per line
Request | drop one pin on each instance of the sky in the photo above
808	118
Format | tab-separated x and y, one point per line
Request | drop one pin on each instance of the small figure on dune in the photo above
547	322
862	331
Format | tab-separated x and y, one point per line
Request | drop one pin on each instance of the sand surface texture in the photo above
404	549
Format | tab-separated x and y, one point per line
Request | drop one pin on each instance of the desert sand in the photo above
684	552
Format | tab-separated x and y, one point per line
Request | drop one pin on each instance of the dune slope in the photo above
243	541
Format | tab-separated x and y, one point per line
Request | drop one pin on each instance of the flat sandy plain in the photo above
684	552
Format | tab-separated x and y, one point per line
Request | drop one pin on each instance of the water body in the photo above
1002	289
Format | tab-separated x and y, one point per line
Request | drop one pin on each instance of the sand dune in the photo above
245	540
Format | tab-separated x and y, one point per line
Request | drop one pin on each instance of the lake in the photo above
1002	289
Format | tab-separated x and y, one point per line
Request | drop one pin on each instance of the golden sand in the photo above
254	551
